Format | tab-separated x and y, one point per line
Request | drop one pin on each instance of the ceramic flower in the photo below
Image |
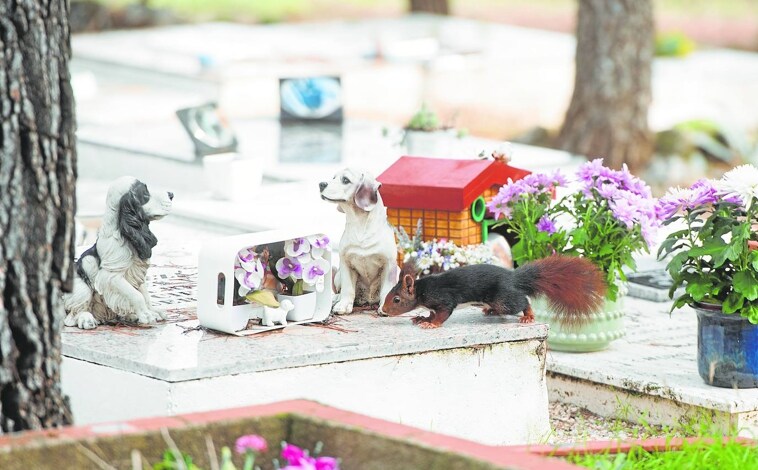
313	273
304	262
289	267
319	245
441	255
249	271
297	247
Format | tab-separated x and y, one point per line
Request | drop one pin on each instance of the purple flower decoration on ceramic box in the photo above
313	273
289	267
297	247
248	270
319	244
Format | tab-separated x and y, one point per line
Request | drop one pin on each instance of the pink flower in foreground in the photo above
251	442
292	453
327	463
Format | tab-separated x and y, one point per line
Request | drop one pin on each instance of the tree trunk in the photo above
607	116
440	7
37	203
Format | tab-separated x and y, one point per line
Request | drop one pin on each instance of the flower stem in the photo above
297	289
249	460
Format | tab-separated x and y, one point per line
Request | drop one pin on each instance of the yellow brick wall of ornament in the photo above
458	227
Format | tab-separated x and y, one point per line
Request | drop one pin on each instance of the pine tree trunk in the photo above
440	7
37	203
607	116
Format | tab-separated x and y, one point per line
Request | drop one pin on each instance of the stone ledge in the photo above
169	352
656	362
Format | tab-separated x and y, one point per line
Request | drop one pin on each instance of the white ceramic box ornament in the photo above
279	276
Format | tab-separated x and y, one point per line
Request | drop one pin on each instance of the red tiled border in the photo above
509	457
518	457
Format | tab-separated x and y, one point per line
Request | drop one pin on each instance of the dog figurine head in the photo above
135	207
351	187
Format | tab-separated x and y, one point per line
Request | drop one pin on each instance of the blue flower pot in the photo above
727	348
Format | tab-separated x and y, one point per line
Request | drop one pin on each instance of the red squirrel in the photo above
574	288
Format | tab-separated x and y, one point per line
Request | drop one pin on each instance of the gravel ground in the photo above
571	423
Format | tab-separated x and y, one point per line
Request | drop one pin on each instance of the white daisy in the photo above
741	182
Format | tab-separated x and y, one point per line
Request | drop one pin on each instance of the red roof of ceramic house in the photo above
440	183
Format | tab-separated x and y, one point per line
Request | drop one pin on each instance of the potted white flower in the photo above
713	253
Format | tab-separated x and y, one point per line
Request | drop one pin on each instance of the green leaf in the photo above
681	302
731	252
752	314
746	284
578	236
675	265
263	297
741	234
698	291
733	303
709	248
519	253
754	259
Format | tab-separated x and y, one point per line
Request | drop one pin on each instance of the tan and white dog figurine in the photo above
368	253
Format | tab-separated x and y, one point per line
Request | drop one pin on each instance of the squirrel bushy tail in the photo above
573	286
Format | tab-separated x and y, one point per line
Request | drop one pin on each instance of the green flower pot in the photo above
593	335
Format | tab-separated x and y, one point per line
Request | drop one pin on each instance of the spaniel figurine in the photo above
109	285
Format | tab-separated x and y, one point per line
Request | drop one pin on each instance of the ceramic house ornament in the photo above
232	270
448	195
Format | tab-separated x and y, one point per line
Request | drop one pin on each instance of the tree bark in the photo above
607	116
37	204
440	7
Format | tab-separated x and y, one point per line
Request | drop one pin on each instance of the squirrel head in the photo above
402	298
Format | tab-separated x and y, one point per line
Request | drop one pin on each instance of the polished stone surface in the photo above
657	357
175	352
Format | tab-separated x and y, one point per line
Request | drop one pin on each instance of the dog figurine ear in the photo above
367	194
134	226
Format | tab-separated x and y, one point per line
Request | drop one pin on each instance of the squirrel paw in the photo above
428	325
526	319
419	319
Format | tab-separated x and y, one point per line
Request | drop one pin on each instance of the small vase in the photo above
593	335
427	143
727	348
305	306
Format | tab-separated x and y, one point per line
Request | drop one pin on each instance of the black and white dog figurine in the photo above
110	276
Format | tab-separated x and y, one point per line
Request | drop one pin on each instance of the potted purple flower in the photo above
304	264
712	253
292	270
607	216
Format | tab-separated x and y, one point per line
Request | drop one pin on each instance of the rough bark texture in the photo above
37	202
607	116
440	7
